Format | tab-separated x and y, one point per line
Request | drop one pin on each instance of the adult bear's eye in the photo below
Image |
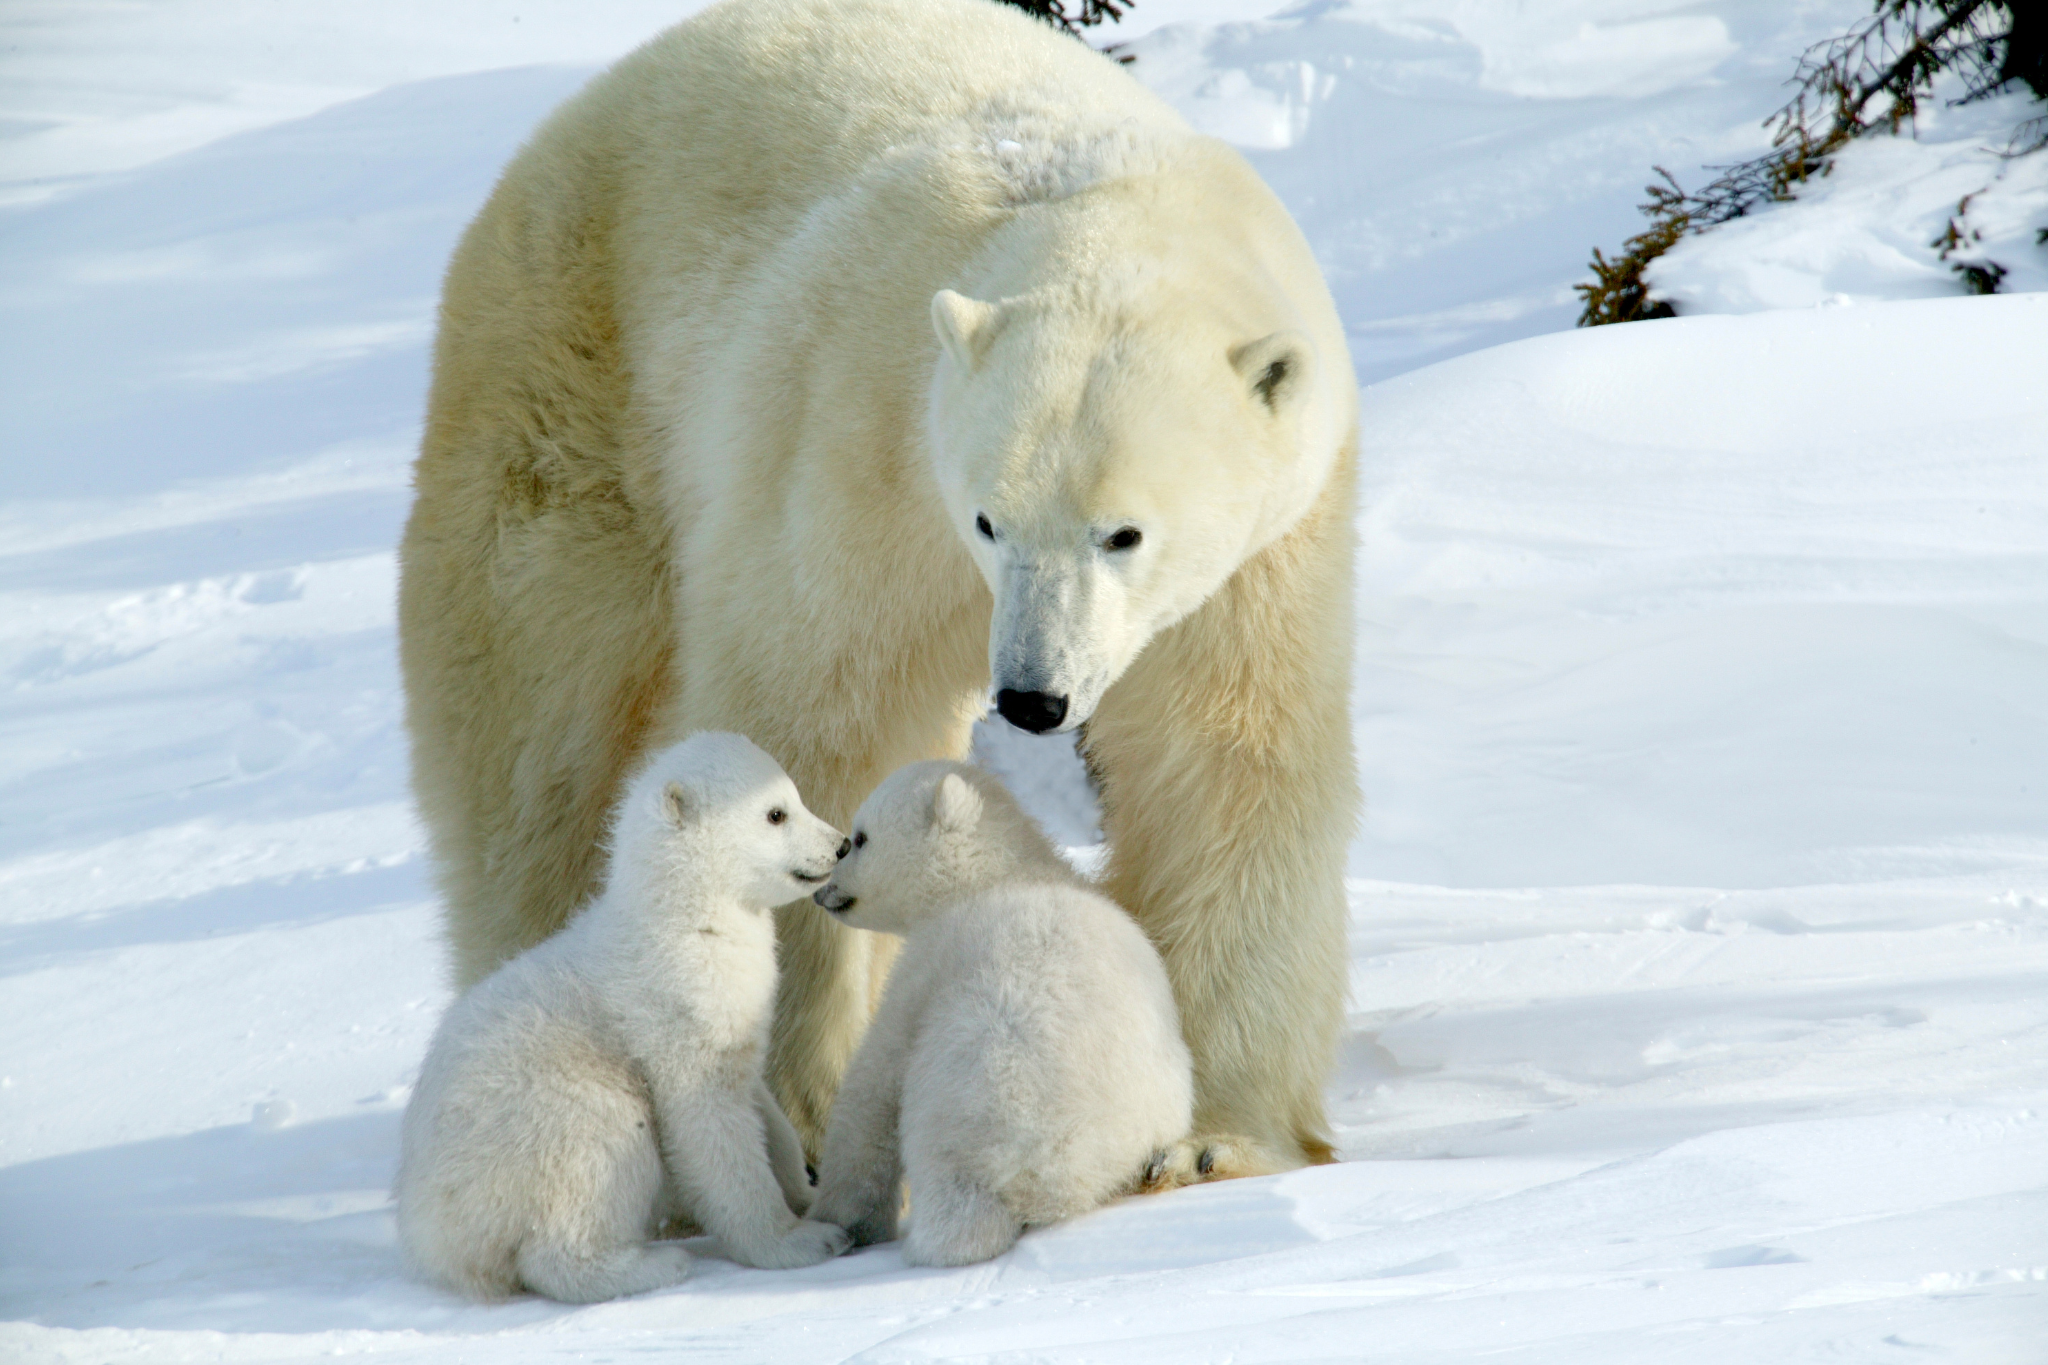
988	532
777	816
1124	539
860	838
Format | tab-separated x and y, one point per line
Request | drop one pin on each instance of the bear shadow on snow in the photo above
297	901
119	1236
242	1229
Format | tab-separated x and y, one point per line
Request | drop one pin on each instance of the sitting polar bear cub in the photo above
530	1153
1026	1063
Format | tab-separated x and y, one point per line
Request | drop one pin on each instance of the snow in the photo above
1834	587
1455	163
1872	227
1700	913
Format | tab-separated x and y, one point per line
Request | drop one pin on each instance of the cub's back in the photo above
524	1061
1047	990
1049	1061
537	1022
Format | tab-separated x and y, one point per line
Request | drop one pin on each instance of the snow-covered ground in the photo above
1700	929
1891	219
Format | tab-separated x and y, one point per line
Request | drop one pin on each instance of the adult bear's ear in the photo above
965	326
956	805
677	804
1275	369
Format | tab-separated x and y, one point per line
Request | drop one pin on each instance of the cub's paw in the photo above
806	1244
661	1264
1199	1160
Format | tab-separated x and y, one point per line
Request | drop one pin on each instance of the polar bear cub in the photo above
1026	1062
607	1082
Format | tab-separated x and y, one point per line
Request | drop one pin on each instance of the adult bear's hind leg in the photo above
536	675
535	621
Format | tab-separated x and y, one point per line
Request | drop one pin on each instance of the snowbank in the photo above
1877	226
1455	164
1746	601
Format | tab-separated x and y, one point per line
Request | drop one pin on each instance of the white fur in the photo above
607	1082
1026	1063
1206	443
748	337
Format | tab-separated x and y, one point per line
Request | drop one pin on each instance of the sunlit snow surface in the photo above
1871	227
1700	930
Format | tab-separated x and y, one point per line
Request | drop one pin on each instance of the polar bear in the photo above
608	1081
1026	1062
823	369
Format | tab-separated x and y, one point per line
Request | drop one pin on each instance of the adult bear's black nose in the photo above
1033	711
845	847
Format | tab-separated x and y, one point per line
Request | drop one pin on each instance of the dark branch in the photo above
1897	53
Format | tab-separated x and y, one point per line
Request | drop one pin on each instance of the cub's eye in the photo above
860	839
1125	539
777	816
988	532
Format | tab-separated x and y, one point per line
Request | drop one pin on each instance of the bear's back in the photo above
1049	1058
1034	982
786	93
742	120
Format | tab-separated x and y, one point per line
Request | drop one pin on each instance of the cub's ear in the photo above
677	804
1275	369
965	326
956	805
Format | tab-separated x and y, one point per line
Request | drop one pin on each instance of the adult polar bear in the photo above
825	362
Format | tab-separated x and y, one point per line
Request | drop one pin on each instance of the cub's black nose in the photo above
1033	711
845	847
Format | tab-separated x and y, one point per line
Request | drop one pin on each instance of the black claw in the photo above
1206	1162
1155	1169
810	1173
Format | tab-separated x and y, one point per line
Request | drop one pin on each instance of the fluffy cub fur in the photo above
827	365
607	1082
1026	1062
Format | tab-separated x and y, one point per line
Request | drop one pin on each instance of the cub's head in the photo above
1112	451
715	809
930	833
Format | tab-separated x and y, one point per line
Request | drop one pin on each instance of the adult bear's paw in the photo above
1199	1160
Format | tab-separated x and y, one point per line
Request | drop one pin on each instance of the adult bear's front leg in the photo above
831	975
823	1002
1229	798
